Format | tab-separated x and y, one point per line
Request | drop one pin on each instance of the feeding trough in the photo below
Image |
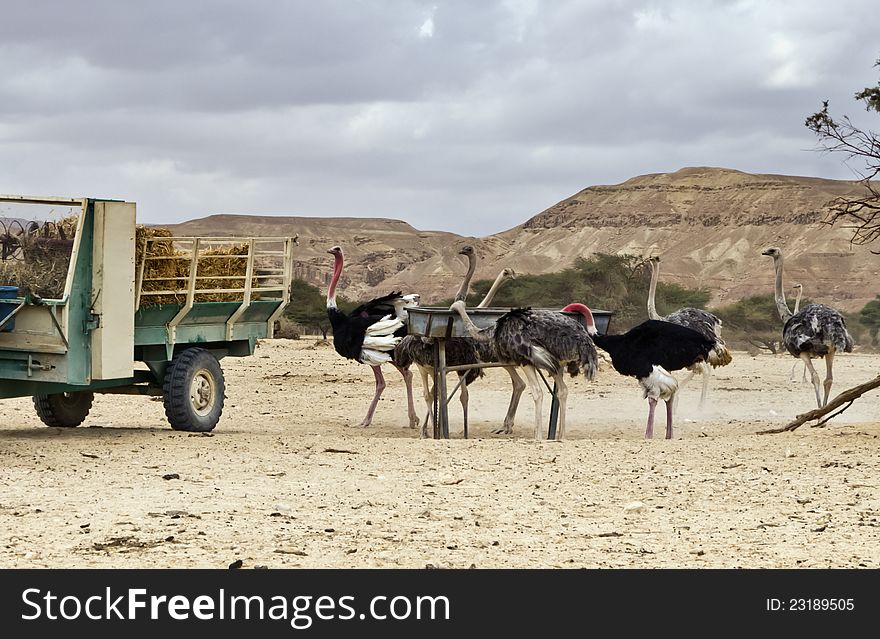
441	324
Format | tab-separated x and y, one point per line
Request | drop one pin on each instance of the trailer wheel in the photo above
193	391
64	409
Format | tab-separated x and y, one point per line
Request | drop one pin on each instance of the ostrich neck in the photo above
781	305
652	291
337	273
797	301
490	295
463	289
471	328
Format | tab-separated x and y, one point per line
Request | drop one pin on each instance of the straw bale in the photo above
42	264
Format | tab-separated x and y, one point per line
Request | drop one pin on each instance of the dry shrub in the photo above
41	261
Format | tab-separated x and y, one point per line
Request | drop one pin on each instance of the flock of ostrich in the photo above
529	342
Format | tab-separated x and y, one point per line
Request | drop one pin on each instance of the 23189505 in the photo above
809	604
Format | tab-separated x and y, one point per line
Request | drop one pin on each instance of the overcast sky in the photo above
466	116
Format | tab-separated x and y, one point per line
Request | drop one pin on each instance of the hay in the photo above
172	274
40	266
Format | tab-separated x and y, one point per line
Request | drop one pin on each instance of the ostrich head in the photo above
586	312
797	286
467	250
655	259
772	251
509	273
335	250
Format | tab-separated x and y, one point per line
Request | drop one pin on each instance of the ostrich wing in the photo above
699	320
544	339
378	307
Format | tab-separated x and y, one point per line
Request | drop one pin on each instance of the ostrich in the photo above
651	352
815	331
699	320
370	333
797	305
459	352
420	351
539	340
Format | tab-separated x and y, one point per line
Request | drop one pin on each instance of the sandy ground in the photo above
285	480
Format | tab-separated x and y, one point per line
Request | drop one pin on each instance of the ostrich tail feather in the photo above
720	356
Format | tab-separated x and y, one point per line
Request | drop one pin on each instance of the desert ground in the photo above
288	480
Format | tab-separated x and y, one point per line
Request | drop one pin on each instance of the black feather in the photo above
350	329
655	343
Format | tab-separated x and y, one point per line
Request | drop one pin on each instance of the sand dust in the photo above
285	479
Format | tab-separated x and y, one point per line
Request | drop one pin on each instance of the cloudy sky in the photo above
453	115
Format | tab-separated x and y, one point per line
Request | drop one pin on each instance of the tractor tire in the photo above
66	410
193	391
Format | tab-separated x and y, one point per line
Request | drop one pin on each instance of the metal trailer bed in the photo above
91	339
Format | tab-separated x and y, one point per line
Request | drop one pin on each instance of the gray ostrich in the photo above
533	340
816	331
459	352
797	306
704	322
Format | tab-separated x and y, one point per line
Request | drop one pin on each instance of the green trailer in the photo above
113	330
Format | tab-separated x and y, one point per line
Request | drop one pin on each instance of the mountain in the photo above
708	225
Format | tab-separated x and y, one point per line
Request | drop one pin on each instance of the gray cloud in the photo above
458	115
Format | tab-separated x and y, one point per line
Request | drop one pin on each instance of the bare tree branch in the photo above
849	395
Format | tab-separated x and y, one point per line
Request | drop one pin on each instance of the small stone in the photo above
236	564
171	476
634	507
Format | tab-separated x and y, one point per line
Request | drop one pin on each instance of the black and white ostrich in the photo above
816	331
651	352
370	333
545	340
704	322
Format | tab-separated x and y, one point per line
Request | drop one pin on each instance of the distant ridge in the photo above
708	224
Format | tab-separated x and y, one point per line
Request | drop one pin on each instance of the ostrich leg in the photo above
707	374
463	397
669	418
537	395
429	400
829	377
691	372
649	431
407	380
380	386
518	387
562	396
814	376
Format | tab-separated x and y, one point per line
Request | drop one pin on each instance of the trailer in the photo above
119	328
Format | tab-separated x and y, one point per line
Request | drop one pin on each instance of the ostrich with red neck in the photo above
369	334
650	352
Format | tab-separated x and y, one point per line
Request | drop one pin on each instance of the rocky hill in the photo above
709	226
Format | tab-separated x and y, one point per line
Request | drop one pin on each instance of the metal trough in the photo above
426	321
